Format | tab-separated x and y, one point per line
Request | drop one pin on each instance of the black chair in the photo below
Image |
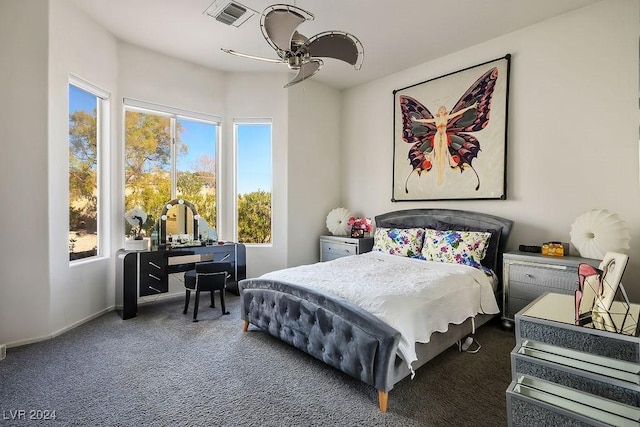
206	277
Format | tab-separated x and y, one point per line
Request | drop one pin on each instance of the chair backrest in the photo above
212	275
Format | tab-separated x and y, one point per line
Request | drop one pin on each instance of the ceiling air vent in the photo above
230	12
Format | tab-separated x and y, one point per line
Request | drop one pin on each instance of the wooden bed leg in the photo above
245	326
383	396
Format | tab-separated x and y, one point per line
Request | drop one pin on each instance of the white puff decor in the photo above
337	221
599	231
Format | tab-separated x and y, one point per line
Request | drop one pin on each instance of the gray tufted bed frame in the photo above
347	337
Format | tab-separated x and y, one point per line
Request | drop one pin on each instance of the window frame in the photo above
236	123
103	120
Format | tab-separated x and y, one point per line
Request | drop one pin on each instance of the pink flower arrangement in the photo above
364	224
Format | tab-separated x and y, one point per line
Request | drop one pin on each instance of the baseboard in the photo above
80	322
60	331
141	301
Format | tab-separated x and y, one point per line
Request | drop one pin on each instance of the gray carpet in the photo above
160	369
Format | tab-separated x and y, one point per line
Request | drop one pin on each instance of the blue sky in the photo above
254	144
254	158
201	140
254	152
81	100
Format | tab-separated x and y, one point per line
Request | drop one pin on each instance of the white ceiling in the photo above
396	34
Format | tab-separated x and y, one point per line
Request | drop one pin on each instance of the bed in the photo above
345	333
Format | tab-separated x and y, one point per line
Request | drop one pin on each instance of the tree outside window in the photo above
168	157
253	179
84	108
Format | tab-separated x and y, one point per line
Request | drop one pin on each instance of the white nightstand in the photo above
332	247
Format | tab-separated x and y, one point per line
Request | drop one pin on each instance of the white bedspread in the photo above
414	297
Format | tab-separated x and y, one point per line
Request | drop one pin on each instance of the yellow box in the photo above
555	249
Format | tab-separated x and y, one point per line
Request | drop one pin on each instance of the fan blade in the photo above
278	22
306	70
338	45
259	58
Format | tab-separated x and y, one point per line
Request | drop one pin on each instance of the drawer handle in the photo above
528	275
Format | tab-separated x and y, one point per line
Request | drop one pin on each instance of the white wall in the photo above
153	77
261	96
78	46
314	167
24	264
572	132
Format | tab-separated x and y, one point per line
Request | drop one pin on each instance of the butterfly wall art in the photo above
452	151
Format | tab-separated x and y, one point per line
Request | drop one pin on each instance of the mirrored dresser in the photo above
564	374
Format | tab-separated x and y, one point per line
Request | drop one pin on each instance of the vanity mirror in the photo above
179	218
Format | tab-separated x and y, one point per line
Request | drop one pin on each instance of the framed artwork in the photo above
450	135
596	294
357	232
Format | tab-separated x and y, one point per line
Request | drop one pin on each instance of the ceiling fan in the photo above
278	24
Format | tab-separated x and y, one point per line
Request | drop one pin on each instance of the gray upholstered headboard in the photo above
432	218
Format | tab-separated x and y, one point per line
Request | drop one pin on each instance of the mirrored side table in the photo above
565	374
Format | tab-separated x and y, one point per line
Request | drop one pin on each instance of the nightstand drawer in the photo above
531	291
338	250
558	277
332	247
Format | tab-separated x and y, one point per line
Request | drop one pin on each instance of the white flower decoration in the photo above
338	221
136	217
599	231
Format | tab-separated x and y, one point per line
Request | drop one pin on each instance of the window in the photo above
253	181
196	167
169	153
87	107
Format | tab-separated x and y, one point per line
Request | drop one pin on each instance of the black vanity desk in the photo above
143	273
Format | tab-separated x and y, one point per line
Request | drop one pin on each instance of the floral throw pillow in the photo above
398	241
459	247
